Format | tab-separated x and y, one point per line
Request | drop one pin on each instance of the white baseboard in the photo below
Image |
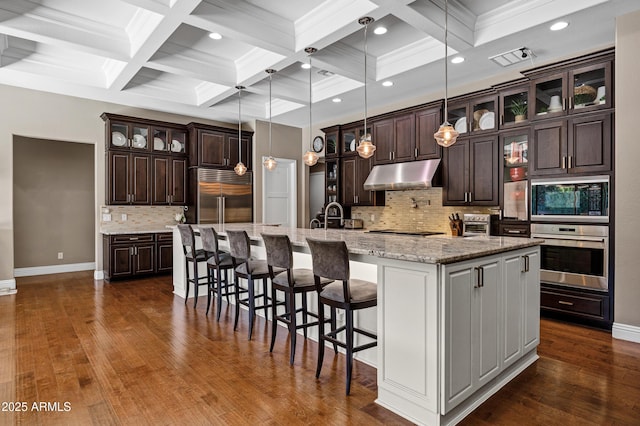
625	332
53	269
98	275
8	287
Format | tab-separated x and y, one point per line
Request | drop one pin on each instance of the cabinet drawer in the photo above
164	236
590	305
514	230
132	238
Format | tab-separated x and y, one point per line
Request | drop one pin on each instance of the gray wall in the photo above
53	202
627	241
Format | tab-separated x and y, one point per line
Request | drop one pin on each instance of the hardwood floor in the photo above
133	353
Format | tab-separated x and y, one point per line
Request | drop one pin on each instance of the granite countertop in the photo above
431	249
137	229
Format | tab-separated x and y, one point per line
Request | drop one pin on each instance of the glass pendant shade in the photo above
310	158
270	163
365	148
446	135
240	168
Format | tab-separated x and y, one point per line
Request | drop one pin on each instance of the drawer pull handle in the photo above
562	302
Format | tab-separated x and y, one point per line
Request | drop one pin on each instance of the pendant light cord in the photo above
365	80
310	102
270	114
239	125
446	67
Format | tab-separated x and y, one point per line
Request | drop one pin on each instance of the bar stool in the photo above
331	260
219	263
191	255
250	269
291	282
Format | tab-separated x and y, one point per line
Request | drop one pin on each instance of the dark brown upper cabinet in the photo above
427	121
169	180
128	178
331	141
581	144
514	105
217	147
354	171
394	139
581	85
143	135
475	113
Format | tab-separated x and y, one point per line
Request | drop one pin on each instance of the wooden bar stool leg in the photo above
266	299
226	280
219	291
274	321
210	282
320	338
252	304
196	282
349	341
237	293
305	317
291	300
334	325
186	281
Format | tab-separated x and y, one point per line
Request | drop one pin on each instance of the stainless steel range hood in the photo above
400	176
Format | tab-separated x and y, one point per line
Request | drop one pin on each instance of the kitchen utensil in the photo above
517	173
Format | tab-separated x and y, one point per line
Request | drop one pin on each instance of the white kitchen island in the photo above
457	318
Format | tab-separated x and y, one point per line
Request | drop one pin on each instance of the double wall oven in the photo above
574	222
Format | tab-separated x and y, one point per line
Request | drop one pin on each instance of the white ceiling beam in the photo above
242	21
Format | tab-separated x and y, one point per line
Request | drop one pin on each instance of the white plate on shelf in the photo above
139	141
118	139
158	144
461	125
488	120
176	146
352	147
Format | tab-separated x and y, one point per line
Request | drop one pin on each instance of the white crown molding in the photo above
53	269
333	86
410	56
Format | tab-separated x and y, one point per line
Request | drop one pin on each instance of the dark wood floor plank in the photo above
133	353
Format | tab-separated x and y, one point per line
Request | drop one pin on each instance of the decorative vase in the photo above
554	104
516	173
521	117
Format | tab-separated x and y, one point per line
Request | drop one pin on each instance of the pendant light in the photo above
310	157
240	168
365	148
270	163
446	134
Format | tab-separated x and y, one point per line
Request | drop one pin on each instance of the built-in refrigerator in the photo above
222	196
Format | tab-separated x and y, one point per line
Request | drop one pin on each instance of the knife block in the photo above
456	228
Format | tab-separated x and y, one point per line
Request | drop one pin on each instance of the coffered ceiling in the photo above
157	54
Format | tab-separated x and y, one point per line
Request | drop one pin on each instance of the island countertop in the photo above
434	249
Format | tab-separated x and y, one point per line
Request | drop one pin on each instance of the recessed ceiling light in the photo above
305	66
380	30
457	60
215	36
560	25
336	100
387	83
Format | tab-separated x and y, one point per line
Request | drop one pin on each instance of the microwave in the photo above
583	199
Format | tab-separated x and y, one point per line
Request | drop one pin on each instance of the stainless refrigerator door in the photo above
209	202
237	202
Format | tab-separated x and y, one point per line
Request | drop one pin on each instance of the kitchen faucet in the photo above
326	213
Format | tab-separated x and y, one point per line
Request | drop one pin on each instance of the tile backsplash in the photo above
137	216
415	210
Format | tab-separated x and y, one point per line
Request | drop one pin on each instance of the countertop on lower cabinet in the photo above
136	229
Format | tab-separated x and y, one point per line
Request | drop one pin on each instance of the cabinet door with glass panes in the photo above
332	184
573	91
514	107
127	135
515	173
474	115
168	140
351	138
331	142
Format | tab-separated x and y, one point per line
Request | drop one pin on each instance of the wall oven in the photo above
583	199
574	255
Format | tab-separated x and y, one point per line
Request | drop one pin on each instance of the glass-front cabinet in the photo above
514	107
351	137
576	90
331	141
331	180
515	174
128	135
474	114
169	140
